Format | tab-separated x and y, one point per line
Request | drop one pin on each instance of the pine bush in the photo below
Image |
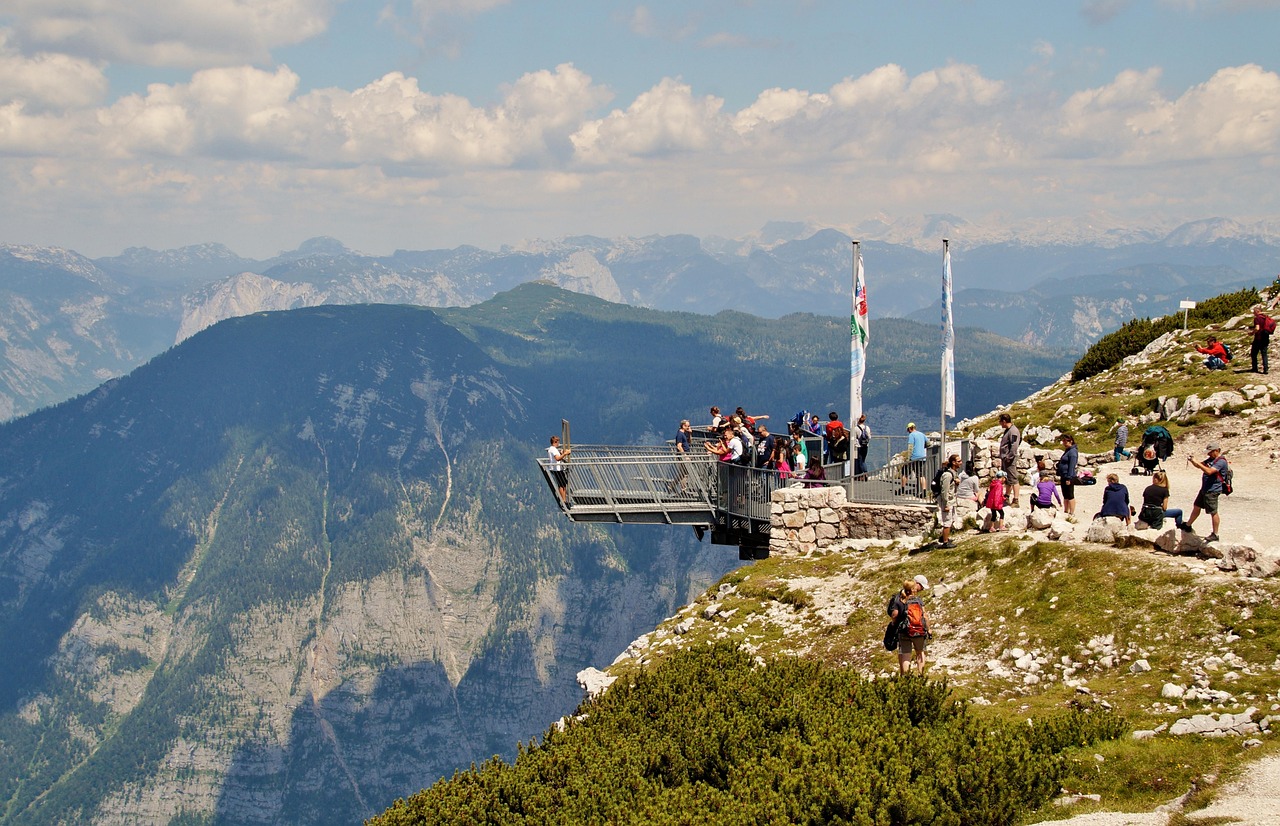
711	737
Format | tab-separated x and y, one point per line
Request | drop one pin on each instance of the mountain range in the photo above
302	563
68	322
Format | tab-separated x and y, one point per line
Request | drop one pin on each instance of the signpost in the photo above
1185	306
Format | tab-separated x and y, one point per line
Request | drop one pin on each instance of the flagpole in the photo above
859	335
948	365
855	366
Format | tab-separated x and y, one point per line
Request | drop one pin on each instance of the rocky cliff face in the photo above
291	570
325	710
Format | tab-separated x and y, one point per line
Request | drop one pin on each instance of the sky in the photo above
424	124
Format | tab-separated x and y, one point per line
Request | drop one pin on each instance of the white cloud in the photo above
242	144
438	26
664	120
642	22
180	33
48	80
1235	113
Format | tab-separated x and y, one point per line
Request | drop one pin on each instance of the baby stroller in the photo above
1157	445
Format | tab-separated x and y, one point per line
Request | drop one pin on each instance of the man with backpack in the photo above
1217	352
1263	326
906	610
948	482
1215	481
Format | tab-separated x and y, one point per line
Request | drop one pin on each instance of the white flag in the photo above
948	338
859	332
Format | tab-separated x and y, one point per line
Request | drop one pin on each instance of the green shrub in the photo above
709	737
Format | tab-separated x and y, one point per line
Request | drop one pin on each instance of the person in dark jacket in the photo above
1115	500
1262	326
1066	469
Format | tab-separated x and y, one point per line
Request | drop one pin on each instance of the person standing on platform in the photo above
948	485
914	468
555	463
863	435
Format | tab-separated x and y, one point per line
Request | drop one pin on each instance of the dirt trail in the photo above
1252	513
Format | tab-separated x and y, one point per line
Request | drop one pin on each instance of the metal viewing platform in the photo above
661	486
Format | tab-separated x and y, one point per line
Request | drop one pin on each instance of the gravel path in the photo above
1251	800
1249	514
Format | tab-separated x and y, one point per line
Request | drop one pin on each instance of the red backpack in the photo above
917	625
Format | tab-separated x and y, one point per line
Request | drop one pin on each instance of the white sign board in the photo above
1186	305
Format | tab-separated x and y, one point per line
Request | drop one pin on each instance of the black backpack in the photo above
935	486
1228	476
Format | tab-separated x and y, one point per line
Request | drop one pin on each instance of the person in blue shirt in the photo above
913	470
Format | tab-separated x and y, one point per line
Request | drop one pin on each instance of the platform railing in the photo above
644	484
618	483
893	478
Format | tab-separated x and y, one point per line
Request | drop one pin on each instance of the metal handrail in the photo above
887	466
623	480
643	483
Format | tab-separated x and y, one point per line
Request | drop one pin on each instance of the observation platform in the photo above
661	486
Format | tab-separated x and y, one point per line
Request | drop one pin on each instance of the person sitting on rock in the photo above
1115	501
1155	504
1046	494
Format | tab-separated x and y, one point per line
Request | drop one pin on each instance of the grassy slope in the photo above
1136	388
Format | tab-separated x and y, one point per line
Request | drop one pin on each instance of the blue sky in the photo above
431	123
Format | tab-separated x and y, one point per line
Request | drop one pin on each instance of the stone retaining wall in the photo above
803	519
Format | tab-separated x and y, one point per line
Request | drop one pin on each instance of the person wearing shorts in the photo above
912	649
1213	468
556	458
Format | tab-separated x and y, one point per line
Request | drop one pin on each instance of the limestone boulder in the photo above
1249	559
1061	529
1105	530
1041	519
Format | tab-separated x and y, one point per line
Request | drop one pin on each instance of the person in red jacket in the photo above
1217	354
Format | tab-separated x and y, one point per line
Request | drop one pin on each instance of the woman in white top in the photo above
969	484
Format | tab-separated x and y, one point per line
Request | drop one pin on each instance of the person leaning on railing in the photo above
556	457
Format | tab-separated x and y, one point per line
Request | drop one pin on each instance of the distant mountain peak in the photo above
321	245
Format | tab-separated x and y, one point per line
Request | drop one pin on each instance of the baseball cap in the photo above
922	581
911	425
1213	446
